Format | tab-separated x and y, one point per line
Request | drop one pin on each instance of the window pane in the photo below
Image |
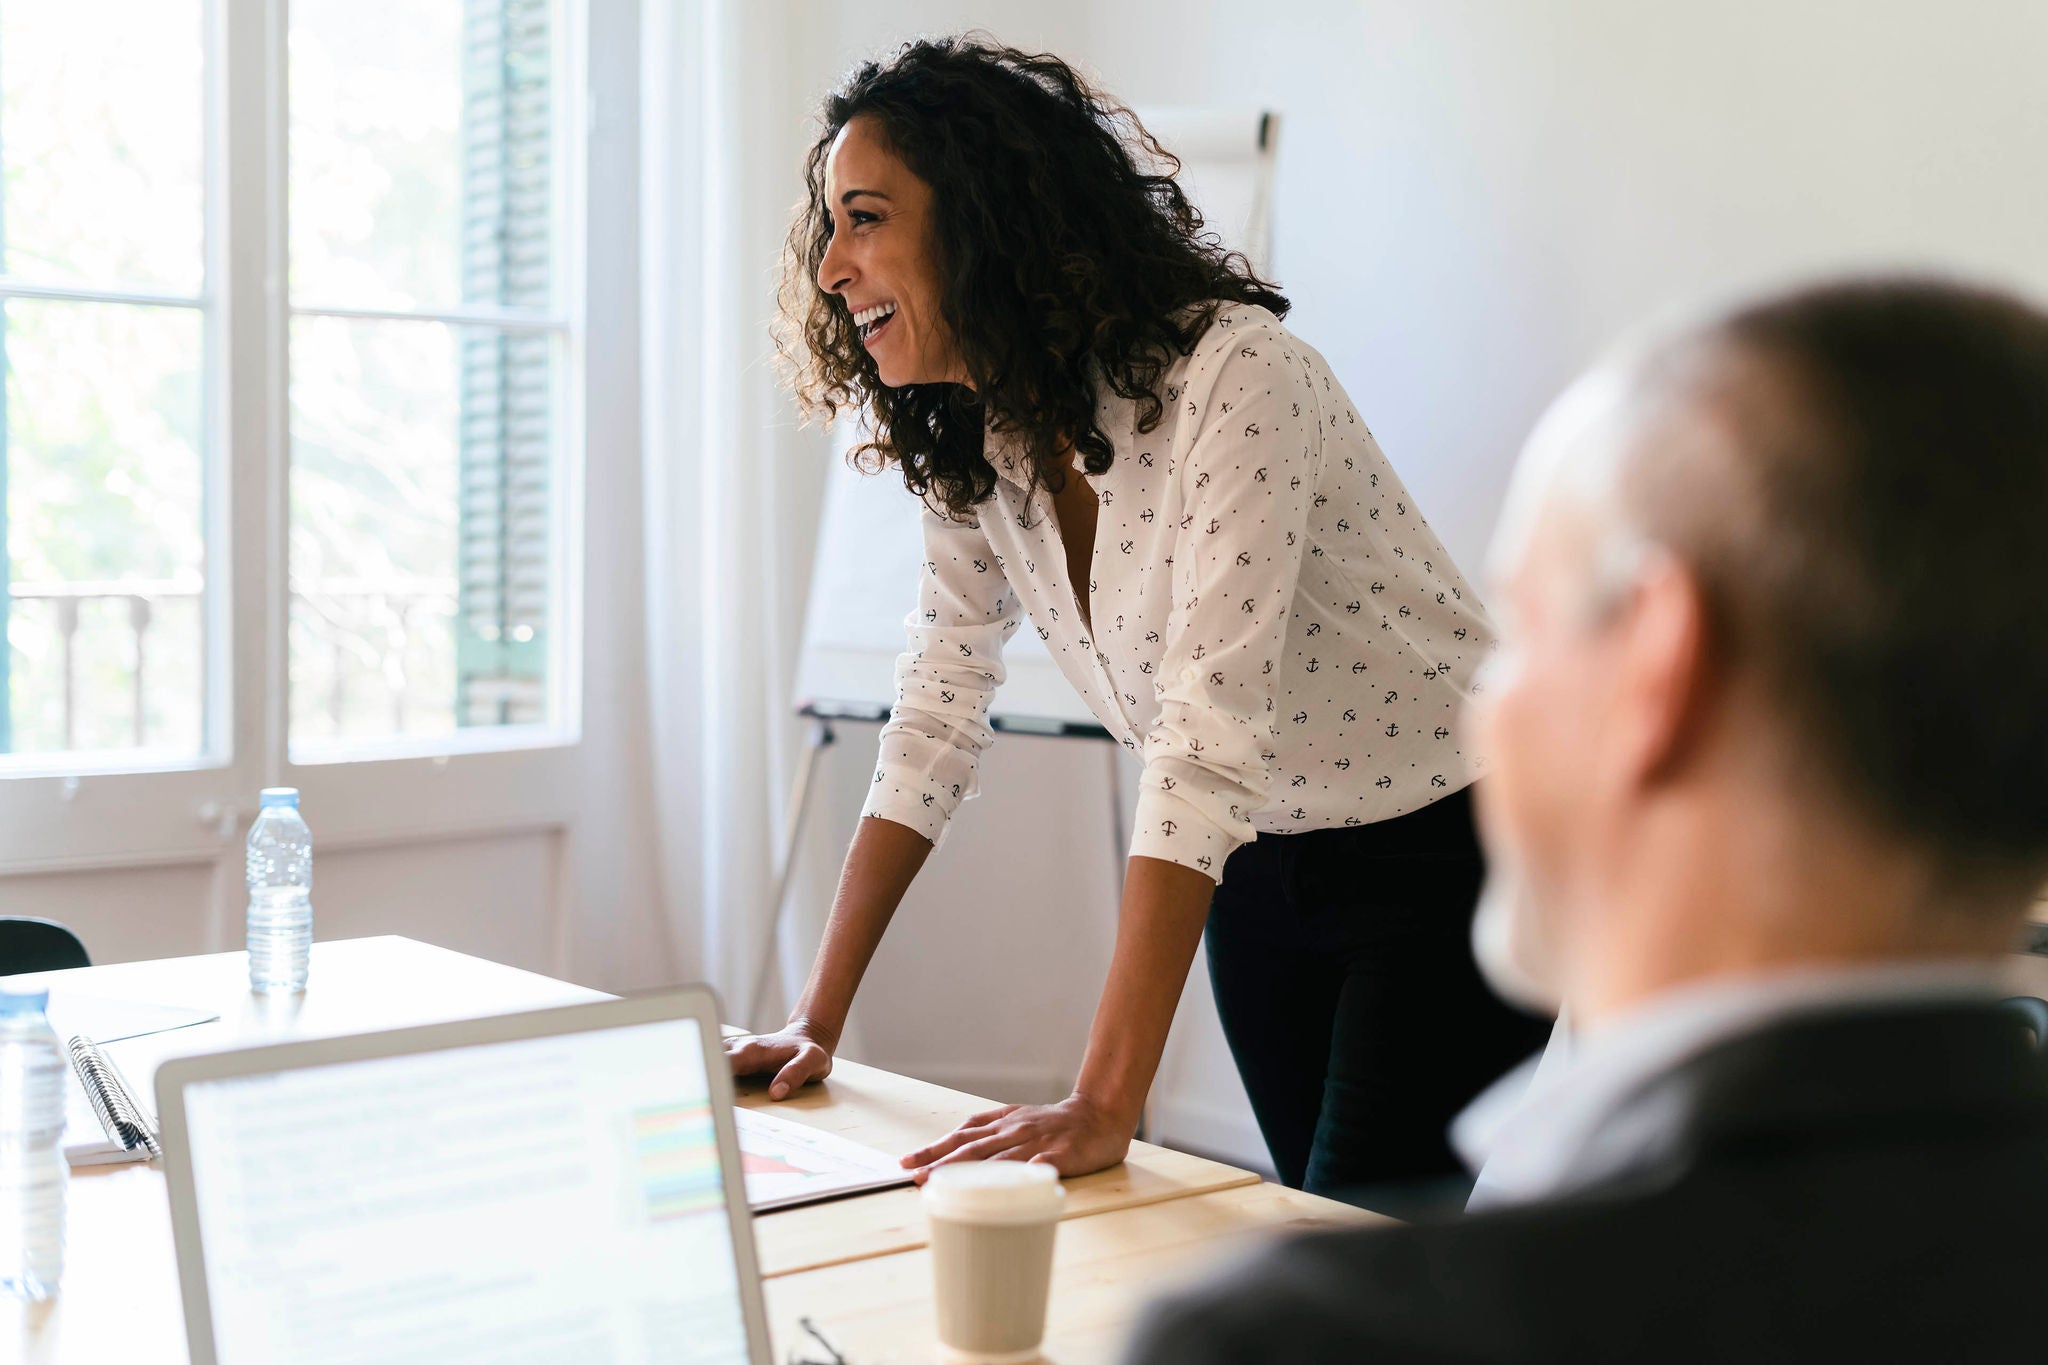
422	539
421	153
102	142
104	496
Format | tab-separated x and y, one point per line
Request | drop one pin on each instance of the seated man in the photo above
1768	799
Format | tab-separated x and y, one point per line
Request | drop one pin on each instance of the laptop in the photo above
554	1186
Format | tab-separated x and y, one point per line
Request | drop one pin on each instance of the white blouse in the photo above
1275	629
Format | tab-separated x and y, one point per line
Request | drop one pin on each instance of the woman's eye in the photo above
860	217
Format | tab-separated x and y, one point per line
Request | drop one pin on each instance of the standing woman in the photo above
1115	438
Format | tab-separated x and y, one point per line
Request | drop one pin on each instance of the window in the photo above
104	443
428	351
320	535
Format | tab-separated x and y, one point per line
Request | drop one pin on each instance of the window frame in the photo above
86	810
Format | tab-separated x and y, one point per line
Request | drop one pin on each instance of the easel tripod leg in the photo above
819	738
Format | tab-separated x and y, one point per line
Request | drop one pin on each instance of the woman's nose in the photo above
834	273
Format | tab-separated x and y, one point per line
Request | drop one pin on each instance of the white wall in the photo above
1474	197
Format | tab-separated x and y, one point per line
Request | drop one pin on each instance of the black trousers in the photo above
1343	971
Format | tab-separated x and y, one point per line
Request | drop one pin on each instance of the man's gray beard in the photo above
1507	942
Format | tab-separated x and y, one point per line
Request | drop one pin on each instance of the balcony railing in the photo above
143	597
374	627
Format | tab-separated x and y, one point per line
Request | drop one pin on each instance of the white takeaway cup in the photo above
992	1226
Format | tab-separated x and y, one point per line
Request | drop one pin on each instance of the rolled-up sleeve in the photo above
944	681
1247	479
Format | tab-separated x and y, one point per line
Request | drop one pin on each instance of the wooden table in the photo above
897	1114
878	1311
856	1266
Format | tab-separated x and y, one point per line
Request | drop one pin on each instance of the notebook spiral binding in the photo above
118	1113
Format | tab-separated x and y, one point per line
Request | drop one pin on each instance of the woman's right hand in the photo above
796	1055
879	867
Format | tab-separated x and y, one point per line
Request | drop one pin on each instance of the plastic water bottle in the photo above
280	894
32	1169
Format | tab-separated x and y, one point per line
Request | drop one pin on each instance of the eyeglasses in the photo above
832	1356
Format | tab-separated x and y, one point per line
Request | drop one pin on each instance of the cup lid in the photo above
994	1191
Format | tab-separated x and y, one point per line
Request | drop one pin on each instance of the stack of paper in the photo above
787	1163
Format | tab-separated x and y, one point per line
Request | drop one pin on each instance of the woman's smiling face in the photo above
879	260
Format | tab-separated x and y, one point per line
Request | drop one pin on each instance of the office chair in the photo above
38	945
2034	1011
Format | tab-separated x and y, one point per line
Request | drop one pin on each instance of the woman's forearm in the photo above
1164	908
880	865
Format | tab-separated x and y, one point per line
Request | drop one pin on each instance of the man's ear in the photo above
1662	698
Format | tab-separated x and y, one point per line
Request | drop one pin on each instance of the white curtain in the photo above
732	485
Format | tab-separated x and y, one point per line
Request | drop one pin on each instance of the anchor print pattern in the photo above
1237	548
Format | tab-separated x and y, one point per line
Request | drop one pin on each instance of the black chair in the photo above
38	945
2034	1010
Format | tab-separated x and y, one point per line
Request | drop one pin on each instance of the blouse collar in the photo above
1114	414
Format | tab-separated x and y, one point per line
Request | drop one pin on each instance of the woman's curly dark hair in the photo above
1062	262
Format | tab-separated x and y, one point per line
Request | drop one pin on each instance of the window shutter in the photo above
506	444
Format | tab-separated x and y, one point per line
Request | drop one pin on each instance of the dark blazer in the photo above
1854	1186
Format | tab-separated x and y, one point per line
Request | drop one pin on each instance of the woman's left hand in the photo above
1074	1137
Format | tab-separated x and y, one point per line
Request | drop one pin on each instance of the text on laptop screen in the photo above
550	1199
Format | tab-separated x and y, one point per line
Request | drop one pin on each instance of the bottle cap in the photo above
280	796
23	1000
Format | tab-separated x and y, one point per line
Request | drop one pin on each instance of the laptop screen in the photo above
547	1199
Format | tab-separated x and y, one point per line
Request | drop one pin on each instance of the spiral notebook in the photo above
104	1121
